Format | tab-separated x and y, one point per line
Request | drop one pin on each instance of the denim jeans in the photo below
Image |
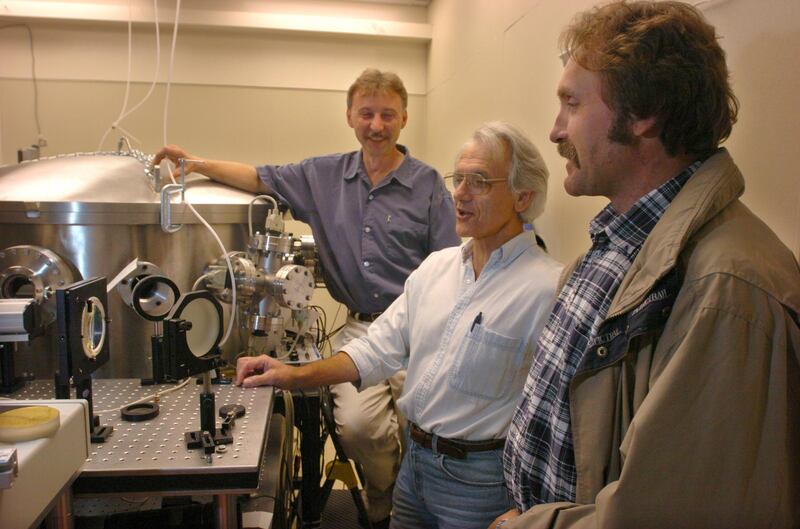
440	492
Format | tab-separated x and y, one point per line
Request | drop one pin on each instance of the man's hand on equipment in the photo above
174	154
263	370
239	175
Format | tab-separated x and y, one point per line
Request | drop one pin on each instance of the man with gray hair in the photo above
464	328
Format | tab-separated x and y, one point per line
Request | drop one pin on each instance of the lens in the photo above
478	184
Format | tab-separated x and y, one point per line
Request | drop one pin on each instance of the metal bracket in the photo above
166	207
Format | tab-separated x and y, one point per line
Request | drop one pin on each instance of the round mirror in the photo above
203	337
153	297
93	327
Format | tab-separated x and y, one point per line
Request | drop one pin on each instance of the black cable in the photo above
322	324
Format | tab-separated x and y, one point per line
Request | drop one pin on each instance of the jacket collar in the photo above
628	231
716	184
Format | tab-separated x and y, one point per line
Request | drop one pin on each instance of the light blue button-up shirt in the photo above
467	343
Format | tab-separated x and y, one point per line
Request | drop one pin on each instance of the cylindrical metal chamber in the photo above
100	211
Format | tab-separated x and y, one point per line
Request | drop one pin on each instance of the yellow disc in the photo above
27	423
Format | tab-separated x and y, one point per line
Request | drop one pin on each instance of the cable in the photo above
169	70
157	394
188	204
320	328
123	113
230	269
333	333
200	280
297	335
40	141
157	68
291	349
127	79
250	210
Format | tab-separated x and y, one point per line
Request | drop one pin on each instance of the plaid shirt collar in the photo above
629	230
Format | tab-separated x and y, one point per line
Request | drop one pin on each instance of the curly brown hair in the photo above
658	59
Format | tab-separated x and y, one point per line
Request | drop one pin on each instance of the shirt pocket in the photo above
406	239
487	364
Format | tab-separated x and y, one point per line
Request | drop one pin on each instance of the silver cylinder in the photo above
99	212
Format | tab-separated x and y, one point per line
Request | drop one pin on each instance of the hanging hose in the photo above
123	113
199	217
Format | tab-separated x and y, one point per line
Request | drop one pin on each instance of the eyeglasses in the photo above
477	184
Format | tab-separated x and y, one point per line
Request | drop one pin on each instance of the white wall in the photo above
499	60
229	84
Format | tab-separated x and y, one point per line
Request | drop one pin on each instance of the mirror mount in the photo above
83	344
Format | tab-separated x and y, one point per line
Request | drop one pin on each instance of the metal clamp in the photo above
166	207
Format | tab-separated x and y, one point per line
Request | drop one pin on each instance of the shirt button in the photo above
375	295
371	196
366	264
367	229
602	351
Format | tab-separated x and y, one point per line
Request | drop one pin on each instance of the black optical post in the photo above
190	346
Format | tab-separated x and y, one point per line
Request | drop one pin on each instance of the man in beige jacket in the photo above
666	390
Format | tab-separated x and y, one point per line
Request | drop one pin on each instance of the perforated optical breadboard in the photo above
152	455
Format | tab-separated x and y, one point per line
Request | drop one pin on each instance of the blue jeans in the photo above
440	492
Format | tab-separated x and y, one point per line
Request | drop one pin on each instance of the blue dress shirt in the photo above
369	238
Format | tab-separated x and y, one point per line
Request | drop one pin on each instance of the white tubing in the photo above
158	66
123	112
170	69
191	207
147	398
199	280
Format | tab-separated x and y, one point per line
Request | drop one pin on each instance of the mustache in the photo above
568	151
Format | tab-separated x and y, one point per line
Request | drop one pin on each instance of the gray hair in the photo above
527	170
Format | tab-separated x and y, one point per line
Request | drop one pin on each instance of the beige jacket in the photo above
686	412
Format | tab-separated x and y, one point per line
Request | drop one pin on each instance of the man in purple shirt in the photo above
375	214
